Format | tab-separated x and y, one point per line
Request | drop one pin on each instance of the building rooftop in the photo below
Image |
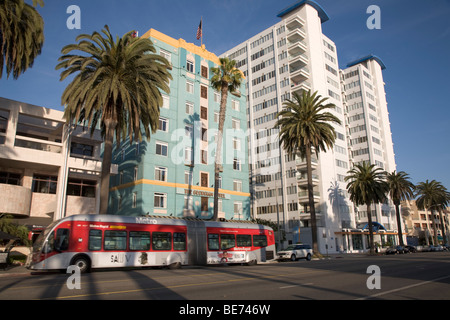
369	57
322	14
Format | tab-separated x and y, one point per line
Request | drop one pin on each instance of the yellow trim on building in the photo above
180	43
177	185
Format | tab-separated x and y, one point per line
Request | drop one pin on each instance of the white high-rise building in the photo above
368	127
291	56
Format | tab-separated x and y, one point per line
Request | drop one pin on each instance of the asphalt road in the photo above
422	276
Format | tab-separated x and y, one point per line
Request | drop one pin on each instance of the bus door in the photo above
57	242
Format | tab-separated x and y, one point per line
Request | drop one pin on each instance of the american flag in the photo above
199	31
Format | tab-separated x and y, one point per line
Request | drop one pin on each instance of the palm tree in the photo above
117	85
432	195
400	189
367	185
226	78
21	36
305	124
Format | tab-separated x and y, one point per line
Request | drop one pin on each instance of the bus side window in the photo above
213	241
162	241
95	240
62	240
244	240
260	241
227	241
179	241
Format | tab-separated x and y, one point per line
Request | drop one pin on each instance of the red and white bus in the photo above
108	241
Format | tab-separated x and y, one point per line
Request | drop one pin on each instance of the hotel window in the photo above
236	144
44	184
166	101
216	117
190	66
188	130
236	124
81	188
189	108
216	97
161	149
163	124
165	54
204	92
161	174
238	209
237	185
160	200
134	204
136	171
204	72
235	105
204	204
237	164
188	177
204	157
204	136
189	87
81	149
10	178
204	113
188	156
204	179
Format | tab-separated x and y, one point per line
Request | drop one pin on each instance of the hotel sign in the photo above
201	193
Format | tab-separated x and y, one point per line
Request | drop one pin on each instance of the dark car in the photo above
411	248
401	249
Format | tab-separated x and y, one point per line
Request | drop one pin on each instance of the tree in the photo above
226	78
432	195
21	36
117	85
400	189
305	124
367	185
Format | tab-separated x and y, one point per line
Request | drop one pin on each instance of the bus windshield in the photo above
37	246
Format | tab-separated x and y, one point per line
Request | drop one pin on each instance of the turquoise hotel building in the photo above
173	173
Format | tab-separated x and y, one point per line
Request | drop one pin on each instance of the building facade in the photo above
173	173
290	57
47	169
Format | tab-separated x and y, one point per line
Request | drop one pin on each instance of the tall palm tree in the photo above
400	189
226	78
21	36
117	85
431	196
305	124
367	185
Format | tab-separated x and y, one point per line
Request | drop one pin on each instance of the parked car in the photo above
436	248
396	250
411	248
296	251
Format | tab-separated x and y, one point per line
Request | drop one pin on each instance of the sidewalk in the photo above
14	270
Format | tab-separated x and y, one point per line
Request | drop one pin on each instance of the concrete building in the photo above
294	56
173	173
46	170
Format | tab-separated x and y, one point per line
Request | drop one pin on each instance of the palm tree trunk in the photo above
399	225
433	221
369	218
311	200
106	166
444	238
218	159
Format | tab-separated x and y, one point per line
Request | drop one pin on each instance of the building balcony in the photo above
296	34
294	23
299	75
298	60
300	87
303	196
302	180
301	164
297	47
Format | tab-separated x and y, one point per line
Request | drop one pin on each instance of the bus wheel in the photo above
82	262
252	263
176	265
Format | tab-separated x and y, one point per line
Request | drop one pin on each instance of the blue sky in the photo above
413	42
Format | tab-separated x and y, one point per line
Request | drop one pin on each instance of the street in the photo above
422	276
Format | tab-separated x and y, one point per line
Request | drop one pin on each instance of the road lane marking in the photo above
403	288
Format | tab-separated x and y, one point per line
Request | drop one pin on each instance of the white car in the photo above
296	251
